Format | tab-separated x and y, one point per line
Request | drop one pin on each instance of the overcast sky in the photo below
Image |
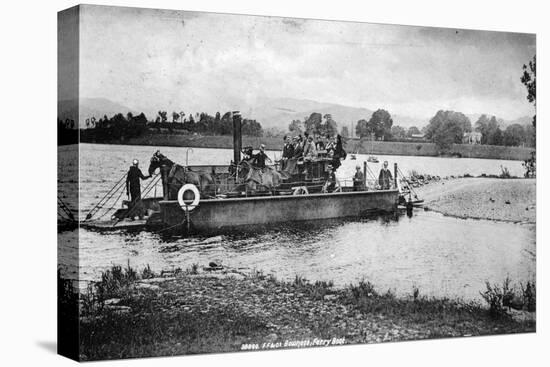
172	60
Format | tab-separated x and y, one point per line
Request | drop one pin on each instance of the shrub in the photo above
500	298
529	296
147	273
493	296
364	289
504	172
416	293
194	269
300	281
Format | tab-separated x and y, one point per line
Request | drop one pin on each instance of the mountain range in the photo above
90	107
271	113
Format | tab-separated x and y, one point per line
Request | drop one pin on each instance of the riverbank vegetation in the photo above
131	313
121	128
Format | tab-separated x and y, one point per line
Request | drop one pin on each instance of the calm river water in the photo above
442	256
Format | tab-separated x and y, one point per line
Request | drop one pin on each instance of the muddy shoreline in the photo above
507	200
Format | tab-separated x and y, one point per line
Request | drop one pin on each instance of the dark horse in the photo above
255	178
175	176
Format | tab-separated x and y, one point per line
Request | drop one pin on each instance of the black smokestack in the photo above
237	137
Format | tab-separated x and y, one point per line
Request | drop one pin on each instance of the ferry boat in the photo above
214	198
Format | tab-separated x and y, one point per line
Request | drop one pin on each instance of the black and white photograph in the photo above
232	183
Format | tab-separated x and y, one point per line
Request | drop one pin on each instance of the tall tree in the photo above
327	127
383	119
140	119
296	127
163	116
398	132
313	122
514	135
379	125
447	128
529	79
175	116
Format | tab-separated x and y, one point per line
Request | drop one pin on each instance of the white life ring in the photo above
196	200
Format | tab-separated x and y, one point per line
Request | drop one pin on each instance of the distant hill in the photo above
525	120
271	113
91	107
279	113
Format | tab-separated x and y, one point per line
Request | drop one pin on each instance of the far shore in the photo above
508	200
352	145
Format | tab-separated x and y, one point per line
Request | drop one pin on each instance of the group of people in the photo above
385	178
308	148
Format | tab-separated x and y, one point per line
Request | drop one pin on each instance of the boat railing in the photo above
225	183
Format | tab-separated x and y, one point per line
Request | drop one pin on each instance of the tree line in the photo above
203	123
127	126
316	124
446	128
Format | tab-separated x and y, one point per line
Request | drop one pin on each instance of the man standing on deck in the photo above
133	187
358	179
288	151
332	182
261	157
385	177
298	151
288	148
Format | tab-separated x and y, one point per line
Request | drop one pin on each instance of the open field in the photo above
512	200
353	145
134	314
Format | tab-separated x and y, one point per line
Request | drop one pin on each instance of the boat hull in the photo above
218	214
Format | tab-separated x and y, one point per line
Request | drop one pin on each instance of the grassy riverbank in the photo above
198	311
363	147
511	200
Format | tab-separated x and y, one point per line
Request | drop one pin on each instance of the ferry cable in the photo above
65	209
119	190
408	183
118	186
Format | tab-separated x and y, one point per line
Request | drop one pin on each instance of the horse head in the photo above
159	160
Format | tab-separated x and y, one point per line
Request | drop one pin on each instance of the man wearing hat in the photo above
358	179
133	185
298	149
332	182
385	178
261	157
288	152
288	148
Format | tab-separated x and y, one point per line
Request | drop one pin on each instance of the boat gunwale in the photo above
286	197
